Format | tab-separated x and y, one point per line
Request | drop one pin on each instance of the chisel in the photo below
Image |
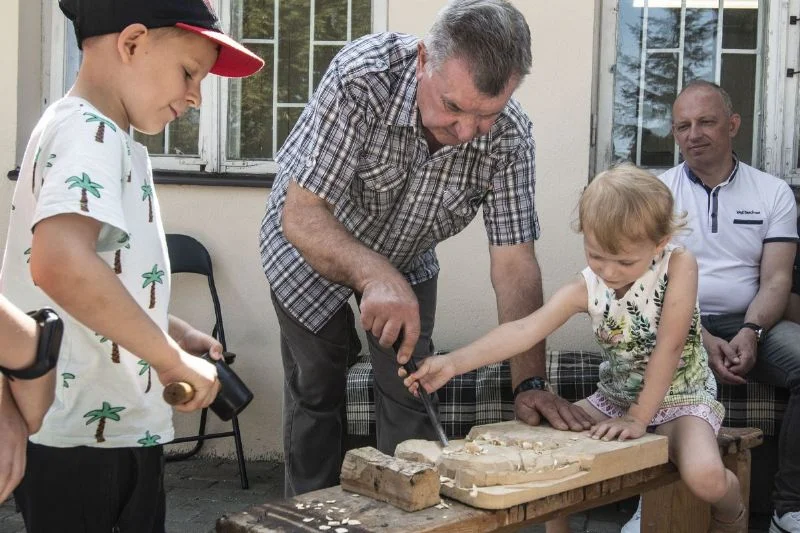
411	367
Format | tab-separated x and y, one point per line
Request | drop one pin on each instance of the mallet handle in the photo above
178	393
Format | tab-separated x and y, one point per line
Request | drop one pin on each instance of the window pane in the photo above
322	59
740	29
663	27
250	113
700	45
260	20
661	83
626	82
739	79
330	20
184	132
154	143
287	118
293	45
362	18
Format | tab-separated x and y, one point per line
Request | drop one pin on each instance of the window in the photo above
242	123
663	44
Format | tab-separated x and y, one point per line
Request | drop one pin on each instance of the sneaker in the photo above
634	525
788	523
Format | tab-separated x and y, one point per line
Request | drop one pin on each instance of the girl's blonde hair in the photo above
627	204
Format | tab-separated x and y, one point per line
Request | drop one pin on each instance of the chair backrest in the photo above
187	254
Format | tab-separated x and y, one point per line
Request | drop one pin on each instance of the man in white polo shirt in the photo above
742	229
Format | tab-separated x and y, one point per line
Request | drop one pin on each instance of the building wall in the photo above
557	95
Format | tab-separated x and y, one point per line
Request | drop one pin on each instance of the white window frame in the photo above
212	151
775	131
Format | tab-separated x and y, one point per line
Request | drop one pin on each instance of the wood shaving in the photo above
341	530
330	501
300	506
324	528
354	522
308	519
474	492
334	523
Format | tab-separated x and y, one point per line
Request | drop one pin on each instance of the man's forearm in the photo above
19	334
519	293
769	305
325	243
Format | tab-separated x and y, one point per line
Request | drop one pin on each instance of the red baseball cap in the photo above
101	17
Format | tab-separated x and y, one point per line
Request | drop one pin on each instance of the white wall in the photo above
557	95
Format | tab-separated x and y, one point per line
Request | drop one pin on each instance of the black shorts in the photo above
88	490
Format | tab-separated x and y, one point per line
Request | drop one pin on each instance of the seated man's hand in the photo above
746	350
622	428
530	406
720	358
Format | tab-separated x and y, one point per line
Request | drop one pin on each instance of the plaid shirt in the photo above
360	146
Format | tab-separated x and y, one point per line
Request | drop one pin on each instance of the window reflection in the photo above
664	44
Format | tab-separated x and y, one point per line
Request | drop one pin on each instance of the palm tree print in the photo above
151	278
49	164
114	349
149	440
125	241
146	368
101	126
27	254
85	184
147	194
100	416
66	376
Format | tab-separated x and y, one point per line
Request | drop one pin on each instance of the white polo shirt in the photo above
727	227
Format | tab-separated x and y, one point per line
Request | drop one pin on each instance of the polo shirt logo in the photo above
747	212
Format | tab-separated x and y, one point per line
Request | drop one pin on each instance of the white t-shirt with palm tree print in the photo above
78	161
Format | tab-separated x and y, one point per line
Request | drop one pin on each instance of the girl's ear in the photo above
129	39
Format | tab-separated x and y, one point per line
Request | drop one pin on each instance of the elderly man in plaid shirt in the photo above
401	145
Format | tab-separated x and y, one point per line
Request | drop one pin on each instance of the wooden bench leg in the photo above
674	509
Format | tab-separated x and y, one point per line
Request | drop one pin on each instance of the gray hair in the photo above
705	84
490	35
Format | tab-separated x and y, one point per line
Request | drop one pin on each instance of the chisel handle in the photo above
178	393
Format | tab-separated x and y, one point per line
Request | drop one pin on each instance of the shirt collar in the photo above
403	108
693	177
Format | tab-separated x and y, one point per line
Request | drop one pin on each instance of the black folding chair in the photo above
186	254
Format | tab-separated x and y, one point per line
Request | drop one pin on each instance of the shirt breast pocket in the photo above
458	208
377	185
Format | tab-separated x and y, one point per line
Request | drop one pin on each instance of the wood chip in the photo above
354	522
341	530
330	501
308	519
324	528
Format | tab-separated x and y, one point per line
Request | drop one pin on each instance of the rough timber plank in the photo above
405	484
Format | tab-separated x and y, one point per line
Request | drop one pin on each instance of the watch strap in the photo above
759	330
51	329
532	383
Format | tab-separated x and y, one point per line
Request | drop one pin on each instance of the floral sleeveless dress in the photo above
626	330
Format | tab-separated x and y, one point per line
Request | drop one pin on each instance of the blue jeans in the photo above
315	376
778	364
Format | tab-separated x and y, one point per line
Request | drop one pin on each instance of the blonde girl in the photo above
641	294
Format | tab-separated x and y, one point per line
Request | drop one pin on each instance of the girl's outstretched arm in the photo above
504	341
676	318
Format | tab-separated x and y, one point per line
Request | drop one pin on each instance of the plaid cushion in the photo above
484	396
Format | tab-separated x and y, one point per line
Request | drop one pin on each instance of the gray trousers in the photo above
315	376
778	364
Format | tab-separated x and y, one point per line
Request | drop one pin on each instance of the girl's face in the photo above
619	271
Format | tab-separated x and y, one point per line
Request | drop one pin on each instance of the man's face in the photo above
452	110
702	127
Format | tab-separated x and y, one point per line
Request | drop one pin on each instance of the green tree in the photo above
151	278
147	194
114	349
125	242
66	376
104	413
146	368
149	440
101	126
85	184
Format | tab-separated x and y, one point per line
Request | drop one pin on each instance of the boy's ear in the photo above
664	242
129	40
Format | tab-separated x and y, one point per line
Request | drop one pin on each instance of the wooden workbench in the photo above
668	506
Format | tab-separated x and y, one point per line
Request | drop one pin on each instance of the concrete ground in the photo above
201	490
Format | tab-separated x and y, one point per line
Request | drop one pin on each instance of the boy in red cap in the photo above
86	238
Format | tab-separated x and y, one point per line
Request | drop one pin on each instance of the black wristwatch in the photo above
51	329
759	331
532	383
